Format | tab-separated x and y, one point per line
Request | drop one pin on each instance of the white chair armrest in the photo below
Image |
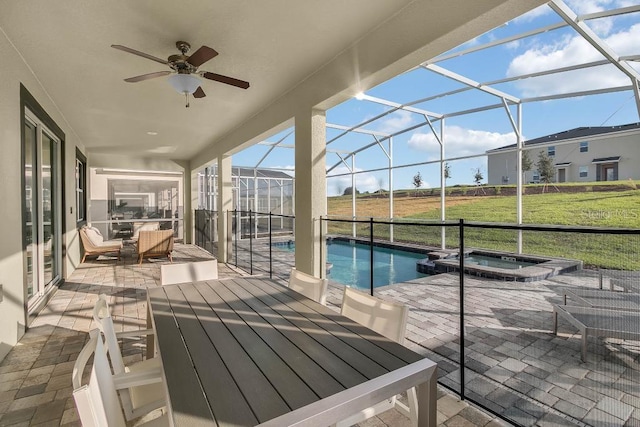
137	378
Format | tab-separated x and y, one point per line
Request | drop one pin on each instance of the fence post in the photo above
370	253
270	251
323	268
461	266
235	218
250	242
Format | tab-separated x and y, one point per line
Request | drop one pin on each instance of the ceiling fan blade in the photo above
147	76
199	93
224	79
137	52
201	56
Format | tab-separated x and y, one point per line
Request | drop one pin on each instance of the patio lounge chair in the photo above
94	243
155	244
171	274
599	323
97	401
309	286
390	320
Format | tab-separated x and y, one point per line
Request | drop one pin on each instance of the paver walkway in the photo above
35	377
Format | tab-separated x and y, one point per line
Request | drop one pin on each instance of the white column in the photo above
225	205
310	189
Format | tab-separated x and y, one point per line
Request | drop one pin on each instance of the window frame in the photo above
551	151
81	188
584	147
583	171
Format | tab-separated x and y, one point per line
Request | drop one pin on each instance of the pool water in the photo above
351	265
489	261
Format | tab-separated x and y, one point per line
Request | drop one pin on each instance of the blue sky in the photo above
475	133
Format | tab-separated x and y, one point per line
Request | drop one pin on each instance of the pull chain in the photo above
186	96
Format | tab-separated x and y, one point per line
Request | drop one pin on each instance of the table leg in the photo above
151	347
427	401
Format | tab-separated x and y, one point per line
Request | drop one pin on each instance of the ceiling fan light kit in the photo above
184	67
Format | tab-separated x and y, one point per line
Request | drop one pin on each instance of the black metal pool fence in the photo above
491	335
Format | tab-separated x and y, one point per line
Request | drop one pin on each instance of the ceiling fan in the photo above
183	69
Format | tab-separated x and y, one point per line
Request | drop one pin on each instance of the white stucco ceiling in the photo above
276	45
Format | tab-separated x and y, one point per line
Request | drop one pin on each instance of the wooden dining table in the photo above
248	351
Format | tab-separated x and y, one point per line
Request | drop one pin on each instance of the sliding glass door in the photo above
42	207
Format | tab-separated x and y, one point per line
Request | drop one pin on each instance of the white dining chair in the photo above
140	399
171	274
309	286
389	319
97	401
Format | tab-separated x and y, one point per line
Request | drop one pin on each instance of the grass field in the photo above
609	209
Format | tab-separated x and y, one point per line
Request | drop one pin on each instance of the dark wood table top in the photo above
248	351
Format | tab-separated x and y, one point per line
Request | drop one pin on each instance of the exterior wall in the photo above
623	144
12	260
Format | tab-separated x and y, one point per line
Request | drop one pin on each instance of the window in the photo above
551	151
81	187
536	176
584	147
584	171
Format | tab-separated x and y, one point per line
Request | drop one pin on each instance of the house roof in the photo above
261	173
297	55
581	132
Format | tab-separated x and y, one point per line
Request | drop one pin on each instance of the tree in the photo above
546	169
349	190
527	164
447	171
417	181
477	178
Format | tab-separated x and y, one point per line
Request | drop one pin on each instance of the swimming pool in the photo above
351	264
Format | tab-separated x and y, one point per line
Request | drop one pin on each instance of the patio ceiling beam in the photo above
515	78
542	98
524	35
357	130
469	82
272	148
372	119
397	106
587	33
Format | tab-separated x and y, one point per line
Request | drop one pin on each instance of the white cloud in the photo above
365	182
572	51
460	142
398	120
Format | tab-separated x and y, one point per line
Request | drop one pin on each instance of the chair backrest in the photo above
156	242
144	226
188	272
97	401
385	317
309	286
91	237
104	321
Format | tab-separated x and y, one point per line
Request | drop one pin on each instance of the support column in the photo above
310	190
225	206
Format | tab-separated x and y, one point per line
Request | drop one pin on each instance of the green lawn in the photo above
596	209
